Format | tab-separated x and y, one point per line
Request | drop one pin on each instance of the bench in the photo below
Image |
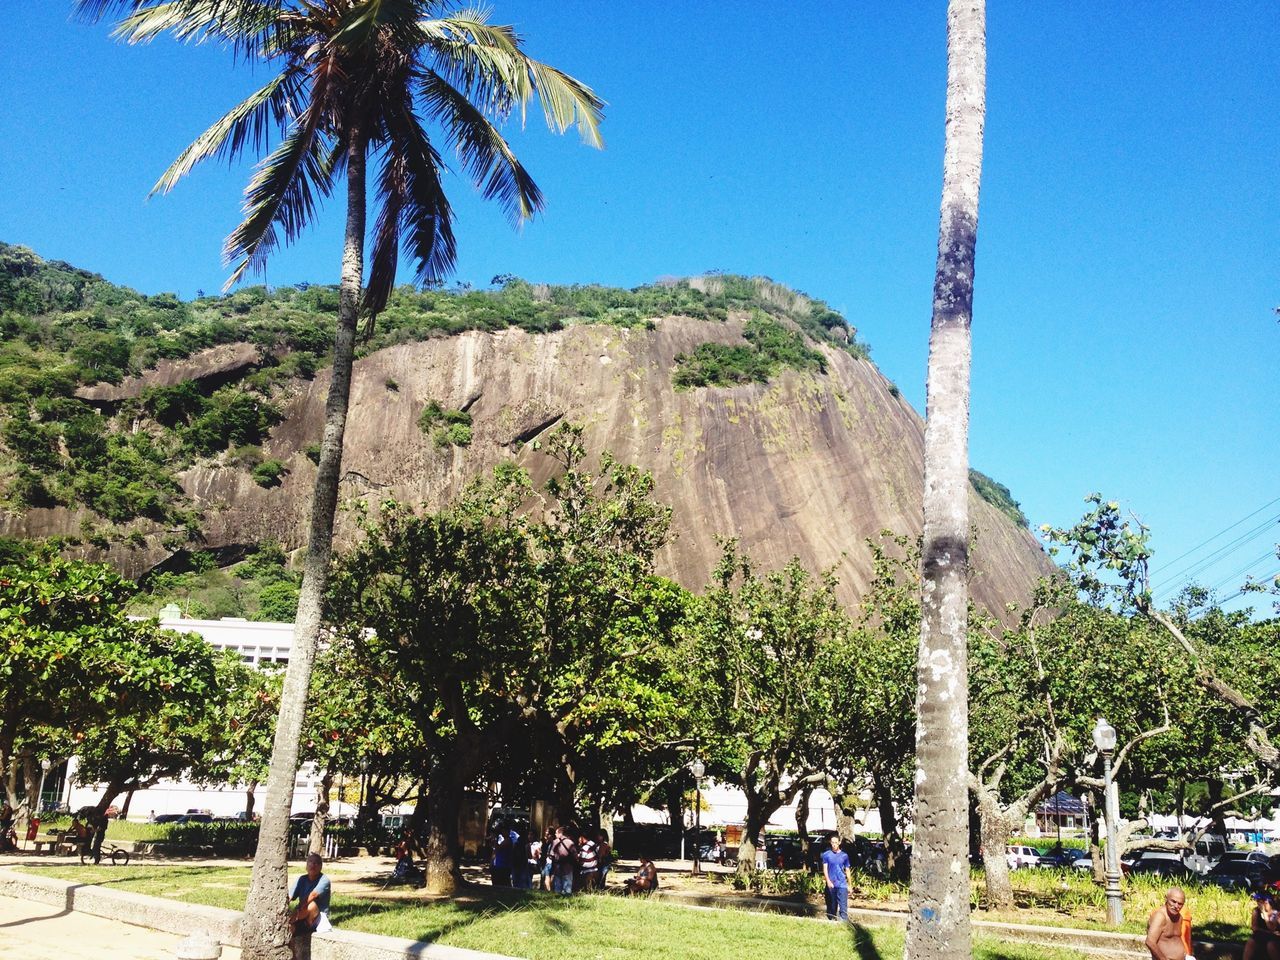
50	840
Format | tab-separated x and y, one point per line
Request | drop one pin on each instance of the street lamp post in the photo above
1104	738
697	768
45	766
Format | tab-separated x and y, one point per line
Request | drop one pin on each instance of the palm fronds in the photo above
249	123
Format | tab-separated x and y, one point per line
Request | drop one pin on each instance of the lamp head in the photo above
46	765
1104	736
697	768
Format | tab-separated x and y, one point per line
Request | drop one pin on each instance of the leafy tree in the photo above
512	629
759	647
873	672
139	745
352	80
1108	565
938	912
73	666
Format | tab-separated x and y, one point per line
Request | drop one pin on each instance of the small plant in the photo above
894	391
312	452
268	473
392	384
453	435
447	428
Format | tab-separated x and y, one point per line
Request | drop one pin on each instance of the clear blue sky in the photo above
1124	335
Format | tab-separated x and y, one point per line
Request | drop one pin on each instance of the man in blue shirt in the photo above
835	870
311	890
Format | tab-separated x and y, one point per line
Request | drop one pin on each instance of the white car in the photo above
1022	857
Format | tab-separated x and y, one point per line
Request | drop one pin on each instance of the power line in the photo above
1268	557
1188	573
1167	564
1242	592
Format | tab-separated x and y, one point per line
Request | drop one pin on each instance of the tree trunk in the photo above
1095	839
995	848
449	783
316	845
802	819
128	801
895	850
249	799
758	813
938	909
98	819
265	933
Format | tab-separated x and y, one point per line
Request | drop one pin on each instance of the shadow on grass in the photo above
864	944
431	919
1220	930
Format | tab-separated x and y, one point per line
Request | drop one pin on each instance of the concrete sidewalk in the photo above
38	931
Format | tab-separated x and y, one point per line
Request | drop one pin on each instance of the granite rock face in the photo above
808	465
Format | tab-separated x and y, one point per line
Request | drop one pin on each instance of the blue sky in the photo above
1124	334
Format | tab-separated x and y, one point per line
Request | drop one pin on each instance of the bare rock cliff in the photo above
808	465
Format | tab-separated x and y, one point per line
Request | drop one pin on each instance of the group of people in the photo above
565	859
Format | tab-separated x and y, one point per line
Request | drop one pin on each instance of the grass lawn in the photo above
542	927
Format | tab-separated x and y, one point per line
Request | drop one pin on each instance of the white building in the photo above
255	643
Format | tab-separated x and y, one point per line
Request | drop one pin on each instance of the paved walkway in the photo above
38	931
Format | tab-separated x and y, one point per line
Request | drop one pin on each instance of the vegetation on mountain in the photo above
65	329
261	587
999	496
770	347
447	428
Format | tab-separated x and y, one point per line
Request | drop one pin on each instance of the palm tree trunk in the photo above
266	934
938	918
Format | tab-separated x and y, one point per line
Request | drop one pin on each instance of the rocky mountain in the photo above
806	456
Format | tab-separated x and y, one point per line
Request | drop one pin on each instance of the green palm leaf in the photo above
486	156
414	210
285	192
248	123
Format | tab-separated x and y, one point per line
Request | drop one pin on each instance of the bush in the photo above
447	428
268	473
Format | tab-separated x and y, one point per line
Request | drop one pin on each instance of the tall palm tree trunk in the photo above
938	919
265	934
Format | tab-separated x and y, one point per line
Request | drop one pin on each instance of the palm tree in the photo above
355	80
938	919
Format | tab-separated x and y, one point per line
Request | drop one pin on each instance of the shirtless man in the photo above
1164	928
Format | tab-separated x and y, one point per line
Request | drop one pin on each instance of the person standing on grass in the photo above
544	859
1169	928
604	854
564	862
588	861
311	890
835	870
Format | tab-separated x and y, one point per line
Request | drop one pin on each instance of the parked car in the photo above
1160	864
784	853
1020	856
1206	854
1061	857
1238	870
184	818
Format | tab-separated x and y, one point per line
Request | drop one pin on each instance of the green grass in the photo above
542	927
1071	898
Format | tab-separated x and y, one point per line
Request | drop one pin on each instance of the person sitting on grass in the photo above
1264	940
645	879
406	870
311	890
